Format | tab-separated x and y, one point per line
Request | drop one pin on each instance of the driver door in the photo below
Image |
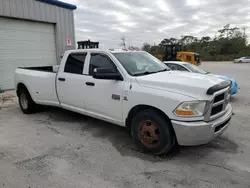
104	98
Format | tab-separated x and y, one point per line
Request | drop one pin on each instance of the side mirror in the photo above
107	74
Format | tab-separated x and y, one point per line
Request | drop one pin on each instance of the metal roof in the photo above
60	4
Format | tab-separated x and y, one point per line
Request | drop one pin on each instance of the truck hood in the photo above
223	77
190	84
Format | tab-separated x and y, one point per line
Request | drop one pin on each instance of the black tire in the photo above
30	106
166	140
240	61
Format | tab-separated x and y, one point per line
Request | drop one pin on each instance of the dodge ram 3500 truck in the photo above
133	89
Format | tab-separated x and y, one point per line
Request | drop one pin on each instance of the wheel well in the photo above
19	87
139	108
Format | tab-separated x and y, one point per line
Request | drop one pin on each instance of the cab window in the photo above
181	68
176	67
75	63
101	61
172	66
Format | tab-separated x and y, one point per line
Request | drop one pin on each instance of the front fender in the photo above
165	101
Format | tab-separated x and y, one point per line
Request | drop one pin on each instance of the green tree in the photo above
231	43
146	47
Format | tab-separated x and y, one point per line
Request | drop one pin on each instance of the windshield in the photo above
140	63
195	69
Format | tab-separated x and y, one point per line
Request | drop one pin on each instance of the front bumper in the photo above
201	132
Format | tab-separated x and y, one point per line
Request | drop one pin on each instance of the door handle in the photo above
90	84
61	79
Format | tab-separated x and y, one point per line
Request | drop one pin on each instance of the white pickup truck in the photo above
133	89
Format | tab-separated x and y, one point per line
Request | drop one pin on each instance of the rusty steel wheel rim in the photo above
149	134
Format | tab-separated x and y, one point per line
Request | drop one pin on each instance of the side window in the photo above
189	58
100	61
172	66
75	63
181	68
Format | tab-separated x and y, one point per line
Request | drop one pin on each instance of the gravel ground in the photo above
56	148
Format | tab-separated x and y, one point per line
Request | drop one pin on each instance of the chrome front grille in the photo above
219	98
217	106
216	109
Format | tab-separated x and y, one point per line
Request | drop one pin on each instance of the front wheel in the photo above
152	132
26	103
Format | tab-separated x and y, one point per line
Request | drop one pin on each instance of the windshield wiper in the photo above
147	73
143	73
163	70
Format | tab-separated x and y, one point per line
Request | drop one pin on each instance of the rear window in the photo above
75	63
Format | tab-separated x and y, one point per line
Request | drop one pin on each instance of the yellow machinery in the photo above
189	57
87	44
174	53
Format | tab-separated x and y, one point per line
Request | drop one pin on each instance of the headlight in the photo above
191	109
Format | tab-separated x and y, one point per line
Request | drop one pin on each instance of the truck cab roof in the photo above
105	50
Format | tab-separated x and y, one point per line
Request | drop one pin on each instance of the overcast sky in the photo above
151	20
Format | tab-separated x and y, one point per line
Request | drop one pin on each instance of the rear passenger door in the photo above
71	84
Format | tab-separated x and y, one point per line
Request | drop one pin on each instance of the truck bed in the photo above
40	82
42	68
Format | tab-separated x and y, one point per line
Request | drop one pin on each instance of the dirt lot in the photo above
57	148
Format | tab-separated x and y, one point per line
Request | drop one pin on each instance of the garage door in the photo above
24	43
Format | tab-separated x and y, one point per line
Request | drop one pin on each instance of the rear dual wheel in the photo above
152	132
26	103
